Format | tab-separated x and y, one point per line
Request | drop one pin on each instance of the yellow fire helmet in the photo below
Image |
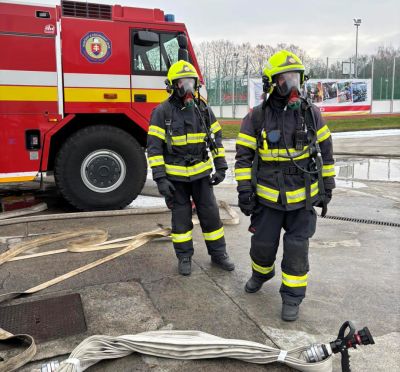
181	69
282	61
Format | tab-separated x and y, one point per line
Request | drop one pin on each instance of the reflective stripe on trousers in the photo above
182	238
262	269
294	281
214	235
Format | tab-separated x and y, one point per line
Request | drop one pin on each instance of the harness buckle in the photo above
291	170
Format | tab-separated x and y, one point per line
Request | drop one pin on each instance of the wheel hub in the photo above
103	171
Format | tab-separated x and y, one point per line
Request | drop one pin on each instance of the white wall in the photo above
380	107
226	111
396	105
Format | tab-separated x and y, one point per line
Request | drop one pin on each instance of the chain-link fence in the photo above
385	74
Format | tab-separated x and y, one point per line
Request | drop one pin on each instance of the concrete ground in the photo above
354	275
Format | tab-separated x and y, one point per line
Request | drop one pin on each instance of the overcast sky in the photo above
323	28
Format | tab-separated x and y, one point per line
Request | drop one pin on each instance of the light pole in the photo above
387	81
357	23
234	60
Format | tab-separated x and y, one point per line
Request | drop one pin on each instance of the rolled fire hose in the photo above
185	345
9	341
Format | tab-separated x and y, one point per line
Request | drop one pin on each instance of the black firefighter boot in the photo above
185	265
224	262
254	284
290	311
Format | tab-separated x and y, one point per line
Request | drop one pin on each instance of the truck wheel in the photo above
100	167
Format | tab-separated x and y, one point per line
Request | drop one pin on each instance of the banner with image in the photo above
332	96
340	96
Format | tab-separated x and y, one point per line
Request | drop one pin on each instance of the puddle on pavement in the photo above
350	172
143	201
368	169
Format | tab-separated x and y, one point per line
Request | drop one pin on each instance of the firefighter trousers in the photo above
299	225
207	210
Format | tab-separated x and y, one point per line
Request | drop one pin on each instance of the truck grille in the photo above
85	10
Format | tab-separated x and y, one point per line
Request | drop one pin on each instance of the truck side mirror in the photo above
182	41
183	55
146	38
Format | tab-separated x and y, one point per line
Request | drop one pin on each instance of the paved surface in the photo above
354	275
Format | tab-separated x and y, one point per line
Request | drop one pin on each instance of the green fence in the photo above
229	90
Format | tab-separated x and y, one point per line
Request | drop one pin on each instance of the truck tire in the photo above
100	167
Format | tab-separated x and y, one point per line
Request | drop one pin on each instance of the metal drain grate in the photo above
355	220
362	220
47	319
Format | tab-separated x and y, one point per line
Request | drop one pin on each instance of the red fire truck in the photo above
78	82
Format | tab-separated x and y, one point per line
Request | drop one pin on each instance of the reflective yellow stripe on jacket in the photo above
155	161
295	196
214	235
275	154
215	127
246	140
323	133
328	170
186	139
156	131
221	153
178	170
242	174
299	195
293	280
267	193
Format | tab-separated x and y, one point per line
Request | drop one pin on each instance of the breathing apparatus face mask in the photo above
288	85
185	89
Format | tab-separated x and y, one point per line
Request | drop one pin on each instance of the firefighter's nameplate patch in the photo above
96	47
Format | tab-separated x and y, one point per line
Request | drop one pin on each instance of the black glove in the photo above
217	177
324	202
247	202
328	196
165	187
327	199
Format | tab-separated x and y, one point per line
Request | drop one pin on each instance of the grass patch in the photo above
231	127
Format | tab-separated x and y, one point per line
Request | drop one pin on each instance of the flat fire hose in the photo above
185	345
233	218
95	240
133	243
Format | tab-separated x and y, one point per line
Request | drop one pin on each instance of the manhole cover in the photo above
45	319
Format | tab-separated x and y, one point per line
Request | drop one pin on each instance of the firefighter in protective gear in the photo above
284	167
180	135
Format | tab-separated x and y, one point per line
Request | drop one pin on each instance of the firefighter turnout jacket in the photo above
177	146
277	182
